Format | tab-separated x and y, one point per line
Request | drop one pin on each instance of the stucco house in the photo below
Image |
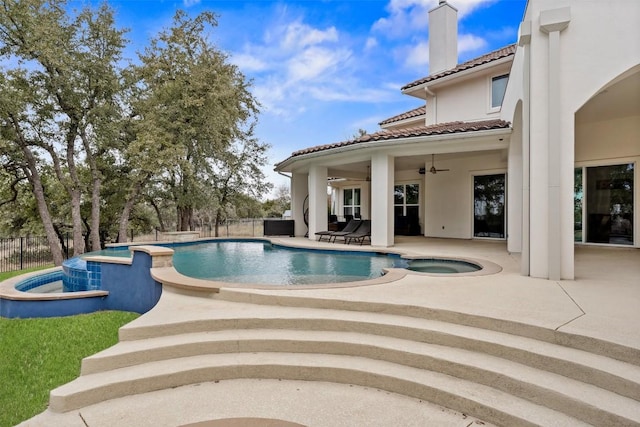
536	143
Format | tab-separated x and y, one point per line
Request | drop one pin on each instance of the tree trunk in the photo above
76	222
43	208
96	187
126	212
74	190
158	214
95	214
185	216
218	222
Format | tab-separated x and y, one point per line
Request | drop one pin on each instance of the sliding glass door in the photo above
489	206
604	204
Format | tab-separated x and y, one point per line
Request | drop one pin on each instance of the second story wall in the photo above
466	98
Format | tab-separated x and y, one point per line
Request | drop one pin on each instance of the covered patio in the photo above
407	173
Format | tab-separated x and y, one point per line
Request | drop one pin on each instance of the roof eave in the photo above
419	90
285	165
403	122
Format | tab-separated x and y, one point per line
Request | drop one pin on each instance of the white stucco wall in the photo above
465	99
592	52
452	217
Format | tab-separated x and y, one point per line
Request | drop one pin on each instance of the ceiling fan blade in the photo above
443	170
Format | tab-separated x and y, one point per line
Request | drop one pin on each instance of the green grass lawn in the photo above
38	355
7	274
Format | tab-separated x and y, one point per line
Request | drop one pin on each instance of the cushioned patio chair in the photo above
363	232
349	228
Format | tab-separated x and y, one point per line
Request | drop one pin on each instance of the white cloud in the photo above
315	61
189	3
248	62
296	64
408	16
418	55
470	43
371	43
299	35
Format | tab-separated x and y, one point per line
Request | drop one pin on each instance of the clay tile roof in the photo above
437	129
420	111
484	59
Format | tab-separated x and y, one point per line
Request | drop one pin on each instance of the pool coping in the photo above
8	289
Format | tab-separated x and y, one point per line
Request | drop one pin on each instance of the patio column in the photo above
382	181
524	41
515	186
318	215
299	192
558	239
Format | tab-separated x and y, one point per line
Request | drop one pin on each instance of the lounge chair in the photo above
349	228
363	232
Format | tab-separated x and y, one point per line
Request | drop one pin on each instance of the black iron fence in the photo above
19	253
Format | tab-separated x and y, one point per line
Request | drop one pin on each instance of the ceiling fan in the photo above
433	169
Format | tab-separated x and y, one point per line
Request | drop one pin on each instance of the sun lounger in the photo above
363	232
349	228
357	223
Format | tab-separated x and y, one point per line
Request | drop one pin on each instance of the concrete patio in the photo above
597	314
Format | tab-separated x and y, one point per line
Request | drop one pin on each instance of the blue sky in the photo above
324	69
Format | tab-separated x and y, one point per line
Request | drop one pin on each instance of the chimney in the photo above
443	38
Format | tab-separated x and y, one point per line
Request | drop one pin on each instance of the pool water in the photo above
264	263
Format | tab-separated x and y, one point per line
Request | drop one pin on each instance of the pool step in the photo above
575	398
483	402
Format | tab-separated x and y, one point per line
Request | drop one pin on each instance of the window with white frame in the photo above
352	203
406	200
498	88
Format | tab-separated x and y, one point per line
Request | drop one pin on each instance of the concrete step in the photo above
603	372
575	398
481	401
300	299
272	402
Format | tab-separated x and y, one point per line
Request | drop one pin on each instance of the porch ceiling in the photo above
358	171
620	99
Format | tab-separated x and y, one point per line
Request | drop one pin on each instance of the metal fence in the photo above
19	253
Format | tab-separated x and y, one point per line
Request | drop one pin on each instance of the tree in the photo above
65	81
274	208
195	114
237	174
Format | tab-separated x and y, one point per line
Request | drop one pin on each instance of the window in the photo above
406	209
498	88
578	196
488	206
406	200
351	206
604	194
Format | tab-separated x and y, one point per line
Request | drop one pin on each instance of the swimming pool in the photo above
131	278
263	263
